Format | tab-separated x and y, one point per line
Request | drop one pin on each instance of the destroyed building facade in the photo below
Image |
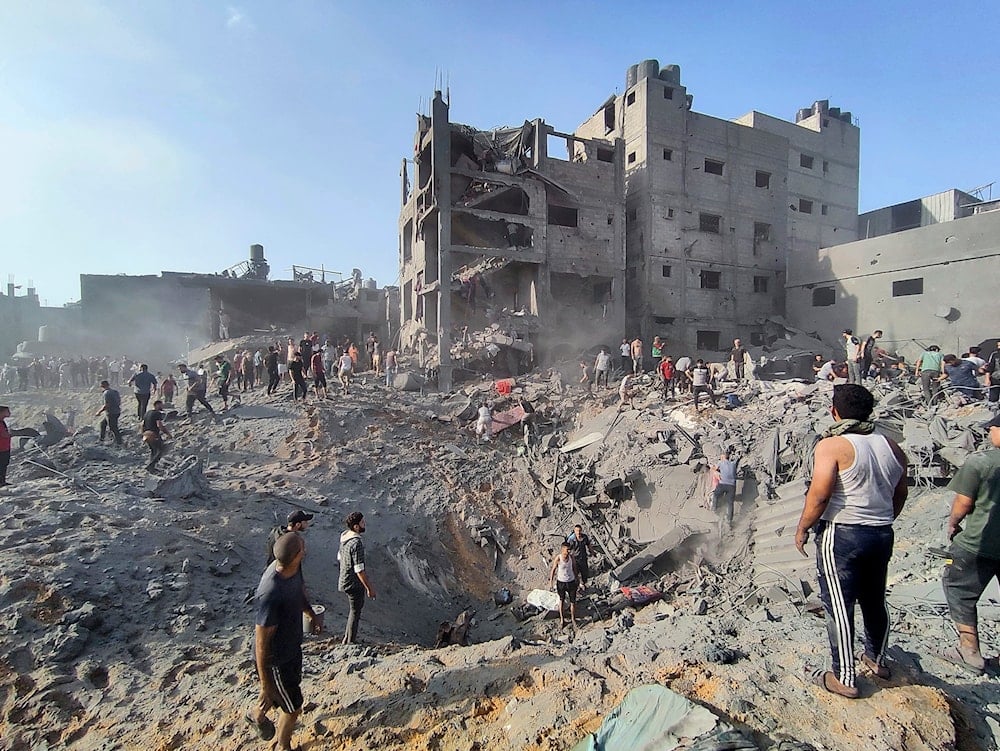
28	328
932	284
715	207
518	227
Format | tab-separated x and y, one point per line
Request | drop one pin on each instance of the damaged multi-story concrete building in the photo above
521	227
714	207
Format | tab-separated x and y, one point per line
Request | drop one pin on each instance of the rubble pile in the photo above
122	592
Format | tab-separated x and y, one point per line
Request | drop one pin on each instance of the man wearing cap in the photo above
974	531
298	521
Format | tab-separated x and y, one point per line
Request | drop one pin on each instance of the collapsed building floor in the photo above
509	224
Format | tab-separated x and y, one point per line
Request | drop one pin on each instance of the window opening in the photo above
709	223
710	279
806	161
762	179
707	340
805	206
905	287
760	284
562	216
824	296
665	271
714	166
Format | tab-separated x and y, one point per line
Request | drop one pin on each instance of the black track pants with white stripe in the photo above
852	561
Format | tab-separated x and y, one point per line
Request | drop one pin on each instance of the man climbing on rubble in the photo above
602	367
701	382
353	581
724	495
144	384
585	380
930	366
484	423
579	548
319	374
153	431
391	367
682	376
196	388
961	376
974	531
281	603
636	351
626	392
344	371
273	376
852	348
868	353
296	368
565	577
858	488
223	376
111	410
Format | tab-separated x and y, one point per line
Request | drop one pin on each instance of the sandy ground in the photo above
122	621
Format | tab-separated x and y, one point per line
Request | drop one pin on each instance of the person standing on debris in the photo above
249	371
701	382
625	350
196	388
344	371
961	374
111	410
858	488
352	351
153	431
585	380
297	521
370	344
295	367
224	321
271	364
281	603
930	366
258	366
565	577
484	423
636	351
375	356
738	357
319	374
666	368
391	366
975	547
223	375
657	349
602	367
724	495
5	444
626	392
144	384
852	347
992	372
868	353
579	548
305	349
168	388
354	581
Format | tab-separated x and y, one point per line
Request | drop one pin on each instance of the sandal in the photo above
879	670
820	678
265	729
955	657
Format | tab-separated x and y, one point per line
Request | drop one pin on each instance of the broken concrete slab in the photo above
652	552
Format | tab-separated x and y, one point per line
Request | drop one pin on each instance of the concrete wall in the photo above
957	262
920	212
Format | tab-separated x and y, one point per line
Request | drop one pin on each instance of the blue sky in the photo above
172	134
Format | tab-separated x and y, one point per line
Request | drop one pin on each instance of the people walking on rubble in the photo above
565	578
299	387
930	366
626	392
353	581
852	349
738	357
625	351
281	603
857	490
724	495
585	380
974	556
636	352
961	376
271	365
868	353
682	377
114	372
701	382
391	367
168	388
196	388
223	376
145	385
352	351
666	371
297	521
111	409
153	431
579	548
319	374
602	367
345	369
484	423
249	372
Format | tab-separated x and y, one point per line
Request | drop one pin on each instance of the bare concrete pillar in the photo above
441	177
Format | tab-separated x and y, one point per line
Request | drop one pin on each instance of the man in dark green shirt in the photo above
975	547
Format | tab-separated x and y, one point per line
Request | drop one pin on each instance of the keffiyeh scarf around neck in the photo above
861	427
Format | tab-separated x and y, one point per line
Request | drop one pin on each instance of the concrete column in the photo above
441	177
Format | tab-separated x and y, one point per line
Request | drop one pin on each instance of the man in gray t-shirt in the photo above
725	491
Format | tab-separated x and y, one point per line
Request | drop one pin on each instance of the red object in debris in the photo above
503	386
640	595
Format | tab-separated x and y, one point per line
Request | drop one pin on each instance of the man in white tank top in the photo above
857	490
565	576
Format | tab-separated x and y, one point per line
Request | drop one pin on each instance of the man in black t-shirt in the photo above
271	363
296	368
306	350
153	431
992	371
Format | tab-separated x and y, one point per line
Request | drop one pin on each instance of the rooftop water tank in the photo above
43	333
671	74
631	76
371	283
648	69
257	253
